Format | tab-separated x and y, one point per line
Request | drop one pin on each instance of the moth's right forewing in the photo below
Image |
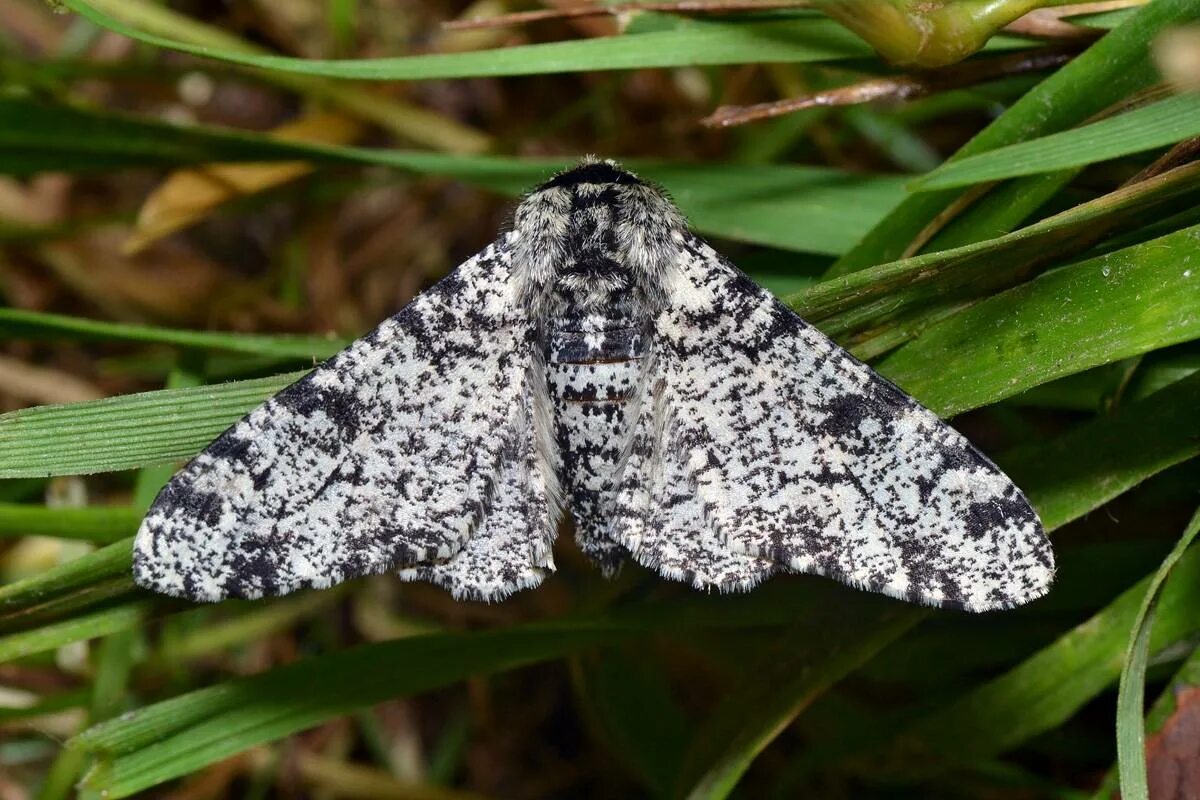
801	455
384	455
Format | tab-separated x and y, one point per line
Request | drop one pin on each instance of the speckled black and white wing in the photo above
801	455
396	451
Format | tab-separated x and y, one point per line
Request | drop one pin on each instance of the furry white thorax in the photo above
638	230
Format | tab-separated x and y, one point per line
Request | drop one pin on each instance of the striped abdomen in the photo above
593	373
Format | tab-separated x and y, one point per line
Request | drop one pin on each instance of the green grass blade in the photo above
1145	128
810	209
1186	678
1131	730
1101	310
103	524
87	626
1114	67
176	736
21	324
125	432
183	734
106	563
805	38
869	296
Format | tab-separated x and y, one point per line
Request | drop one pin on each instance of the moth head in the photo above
595	230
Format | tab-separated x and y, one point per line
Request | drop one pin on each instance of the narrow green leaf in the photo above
1131	732
87	626
1114	67
1164	707
1101	310
125	432
801	38
104	524
21	324
1145	128
869	296
176	736
108	562
811	209
181	735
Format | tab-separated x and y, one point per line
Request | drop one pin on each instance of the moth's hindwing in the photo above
510	548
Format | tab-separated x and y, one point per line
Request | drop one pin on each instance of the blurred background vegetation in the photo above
199	199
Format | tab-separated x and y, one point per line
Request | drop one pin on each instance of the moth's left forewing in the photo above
388	454
803	455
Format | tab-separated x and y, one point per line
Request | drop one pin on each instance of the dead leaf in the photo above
189	195
1177	53
1173	754
43	384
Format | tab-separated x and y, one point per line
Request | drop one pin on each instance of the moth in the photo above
599	358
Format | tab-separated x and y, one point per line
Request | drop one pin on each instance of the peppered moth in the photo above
596	357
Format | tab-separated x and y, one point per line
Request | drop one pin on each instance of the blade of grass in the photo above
87	626
37	325
1185	679
1146	128
124	432
1114	67
806	37
1101	310
191	731
103	524
409	122
176	736
106	563
868	296
1131	725
802	208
